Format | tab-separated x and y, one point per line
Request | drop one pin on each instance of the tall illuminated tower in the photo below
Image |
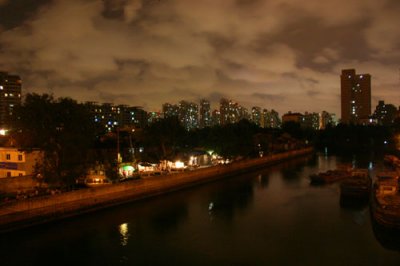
355	96
205	114
10	97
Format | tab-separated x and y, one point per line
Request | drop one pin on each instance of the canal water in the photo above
269	217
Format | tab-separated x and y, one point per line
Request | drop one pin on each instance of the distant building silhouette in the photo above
310	120
385	114
355	97
189	115
216	118
270	119
112	116
326	119
170	110
292	117
232	112
256	115
10	97
205	114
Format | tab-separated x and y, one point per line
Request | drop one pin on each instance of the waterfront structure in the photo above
205	114
385	114
14	162
355	97
10	97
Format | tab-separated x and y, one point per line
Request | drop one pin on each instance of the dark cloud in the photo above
269	97
284	54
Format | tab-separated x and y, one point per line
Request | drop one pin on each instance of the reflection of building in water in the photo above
123	230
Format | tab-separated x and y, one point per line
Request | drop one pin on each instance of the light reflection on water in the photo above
269	217
123	230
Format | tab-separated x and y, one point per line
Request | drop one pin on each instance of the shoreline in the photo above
34	211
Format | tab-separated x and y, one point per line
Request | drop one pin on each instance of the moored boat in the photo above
386	200
356	189
329	176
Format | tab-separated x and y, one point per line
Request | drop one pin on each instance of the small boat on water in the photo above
356	188
391	160
330	176
385	204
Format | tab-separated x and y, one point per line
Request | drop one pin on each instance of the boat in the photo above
356	189
391	160
385	204
330	176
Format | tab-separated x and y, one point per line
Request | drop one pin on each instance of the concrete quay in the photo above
33	211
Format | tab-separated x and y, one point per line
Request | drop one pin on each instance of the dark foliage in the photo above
63	130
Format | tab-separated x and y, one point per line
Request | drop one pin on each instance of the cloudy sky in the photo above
280	54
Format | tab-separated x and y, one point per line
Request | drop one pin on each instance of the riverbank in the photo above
34	211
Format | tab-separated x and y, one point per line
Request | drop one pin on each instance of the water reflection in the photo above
258	218
263	180
234	196
168	219
123	230
387	237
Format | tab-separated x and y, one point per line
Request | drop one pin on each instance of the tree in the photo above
164	138
63	130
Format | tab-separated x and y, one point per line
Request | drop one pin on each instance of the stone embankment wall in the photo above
17	183
32	211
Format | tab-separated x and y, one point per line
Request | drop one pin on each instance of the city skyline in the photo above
282	55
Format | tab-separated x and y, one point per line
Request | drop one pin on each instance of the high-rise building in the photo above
292	117
170	110
242	113
215	118
232	112
132	116
256	115
153	117
188	115
355	96
10	97
326	119
111	116
205	114
270	119
224	111
310	120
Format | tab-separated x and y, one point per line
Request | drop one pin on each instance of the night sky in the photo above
281	54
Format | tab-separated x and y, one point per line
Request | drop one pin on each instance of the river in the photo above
269	217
